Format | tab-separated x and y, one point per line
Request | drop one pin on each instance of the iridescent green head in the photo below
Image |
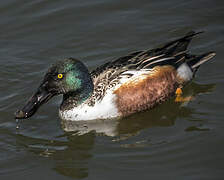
69	77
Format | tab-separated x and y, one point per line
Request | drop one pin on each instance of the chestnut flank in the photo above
148	91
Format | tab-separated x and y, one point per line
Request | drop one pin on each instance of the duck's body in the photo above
134	91
127	85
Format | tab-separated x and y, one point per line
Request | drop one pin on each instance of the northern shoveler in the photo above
133	83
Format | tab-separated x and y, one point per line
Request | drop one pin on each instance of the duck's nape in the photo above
68	76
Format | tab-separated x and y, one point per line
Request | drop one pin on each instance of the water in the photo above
172	141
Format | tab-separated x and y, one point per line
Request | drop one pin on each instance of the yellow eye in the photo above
60	76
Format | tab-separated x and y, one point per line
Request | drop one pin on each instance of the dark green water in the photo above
170	142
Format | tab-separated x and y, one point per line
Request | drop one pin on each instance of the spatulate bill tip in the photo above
19	114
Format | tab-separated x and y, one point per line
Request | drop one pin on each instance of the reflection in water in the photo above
73	160
70	157
107	127
71	152
194	128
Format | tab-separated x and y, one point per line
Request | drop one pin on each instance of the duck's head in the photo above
68	76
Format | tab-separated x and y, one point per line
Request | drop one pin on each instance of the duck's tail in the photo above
195	61
186	71
189	65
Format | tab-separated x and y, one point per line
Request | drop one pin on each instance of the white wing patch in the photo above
136	75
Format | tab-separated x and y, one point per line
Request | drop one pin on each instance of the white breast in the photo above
101	110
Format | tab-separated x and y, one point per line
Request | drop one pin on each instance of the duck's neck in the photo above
74	99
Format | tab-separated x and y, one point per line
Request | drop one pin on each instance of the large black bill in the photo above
32	105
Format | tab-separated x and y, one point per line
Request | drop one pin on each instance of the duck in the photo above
130	84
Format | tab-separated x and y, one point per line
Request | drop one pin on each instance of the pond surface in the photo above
172	141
